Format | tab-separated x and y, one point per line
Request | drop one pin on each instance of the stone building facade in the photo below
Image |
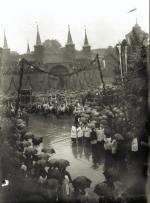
53	59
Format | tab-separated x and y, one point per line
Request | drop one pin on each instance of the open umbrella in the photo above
30	151
62	163
104	122
28	135
26	143
54	173
21	126
53	163
118	136
107	131
81	182
42	162
51	150
102	189
19	121
37	140
43	156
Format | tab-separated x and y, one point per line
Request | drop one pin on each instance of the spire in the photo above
86	43
5	42
69	39
28	48
38	39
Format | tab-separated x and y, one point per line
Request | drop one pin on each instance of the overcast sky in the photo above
107	21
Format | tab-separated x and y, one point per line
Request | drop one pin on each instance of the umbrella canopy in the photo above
51	150
19	121
42	162
30	151
43	156
118	136
54	174
63	163
83	119
21	126
37	140
91	125
81	182
104	122
28	135
26	143
107	131
53	163
52	183
102	189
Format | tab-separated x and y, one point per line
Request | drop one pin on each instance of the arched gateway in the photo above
61	73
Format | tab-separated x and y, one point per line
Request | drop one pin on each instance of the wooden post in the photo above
21	63
100	71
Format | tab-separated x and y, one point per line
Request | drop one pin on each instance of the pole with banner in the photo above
126	60
100	71
120	62
21	64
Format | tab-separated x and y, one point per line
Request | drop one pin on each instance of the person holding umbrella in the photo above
80	183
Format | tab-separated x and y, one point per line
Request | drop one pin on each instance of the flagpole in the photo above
120	61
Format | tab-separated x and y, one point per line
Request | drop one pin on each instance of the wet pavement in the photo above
56	134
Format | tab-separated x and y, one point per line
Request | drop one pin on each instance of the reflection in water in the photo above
87	149
74	150
83	148
80	154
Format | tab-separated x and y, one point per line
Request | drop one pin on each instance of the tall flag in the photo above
134	9
104	63
126	65
120	65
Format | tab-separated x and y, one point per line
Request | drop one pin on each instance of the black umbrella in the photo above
81	182
37	140
43	156
102	189
53	163
51	150
28	135
30	151
54	174
42	162
62	163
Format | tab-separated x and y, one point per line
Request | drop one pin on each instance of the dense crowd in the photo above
101	125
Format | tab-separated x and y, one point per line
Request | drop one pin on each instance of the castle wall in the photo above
42	82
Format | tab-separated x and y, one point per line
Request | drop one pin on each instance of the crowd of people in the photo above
101	126
50	175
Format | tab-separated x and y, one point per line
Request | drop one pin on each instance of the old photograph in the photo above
74	101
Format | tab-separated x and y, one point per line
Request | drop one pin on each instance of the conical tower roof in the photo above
69	39
28	48
86	42
5	42
38	39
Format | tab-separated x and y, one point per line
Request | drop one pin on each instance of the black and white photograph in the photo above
74	101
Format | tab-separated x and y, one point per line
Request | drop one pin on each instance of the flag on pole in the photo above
104	63
134	9
121	71
126	63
